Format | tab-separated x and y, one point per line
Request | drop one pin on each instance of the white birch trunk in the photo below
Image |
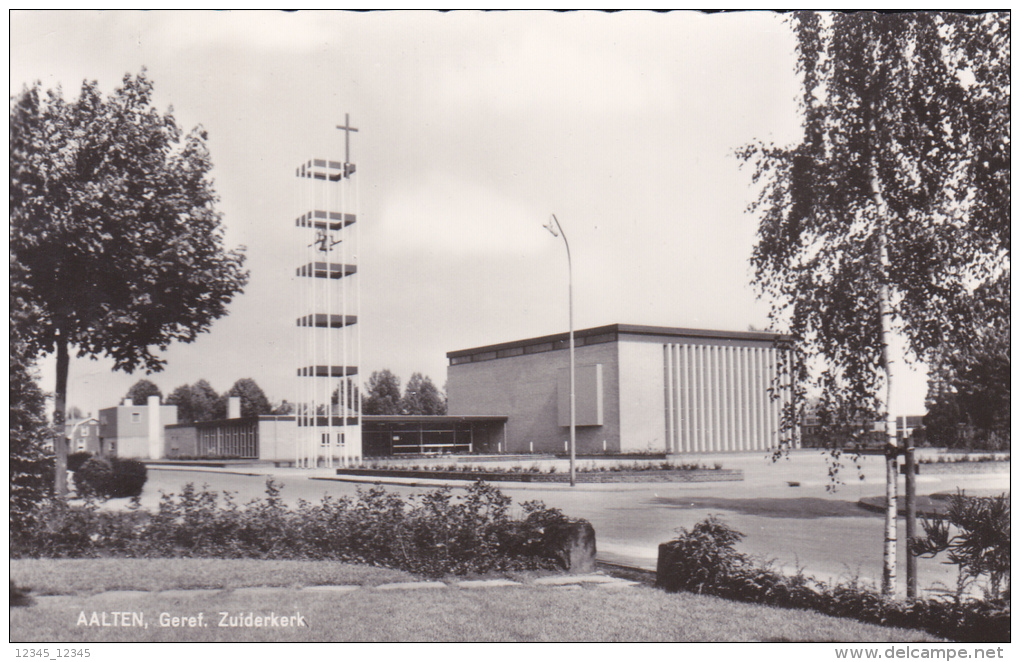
885	396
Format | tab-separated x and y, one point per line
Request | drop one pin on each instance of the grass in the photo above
793	507
88	576
525	613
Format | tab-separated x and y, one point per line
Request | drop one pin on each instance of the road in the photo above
805	526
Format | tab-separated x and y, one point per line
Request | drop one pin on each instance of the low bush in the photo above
20	596
964	458
110	478
92	479
537	468
75	460
975	534
705	560
128	478
433	534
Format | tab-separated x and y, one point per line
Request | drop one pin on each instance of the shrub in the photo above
705	560
702	559
75	460
20	596
110	478
128	478
434	534
976	535
92	479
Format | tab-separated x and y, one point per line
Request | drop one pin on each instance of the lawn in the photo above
89	576
520	613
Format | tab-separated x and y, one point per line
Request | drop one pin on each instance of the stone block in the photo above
572	544
665	568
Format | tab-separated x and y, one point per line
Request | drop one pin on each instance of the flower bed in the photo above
623	476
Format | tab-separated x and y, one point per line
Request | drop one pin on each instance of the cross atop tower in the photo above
347	128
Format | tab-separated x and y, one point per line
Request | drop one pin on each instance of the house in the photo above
135	431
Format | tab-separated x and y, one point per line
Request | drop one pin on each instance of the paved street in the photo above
805	526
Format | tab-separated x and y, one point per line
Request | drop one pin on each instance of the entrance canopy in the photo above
384	436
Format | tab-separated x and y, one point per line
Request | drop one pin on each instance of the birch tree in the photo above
893	208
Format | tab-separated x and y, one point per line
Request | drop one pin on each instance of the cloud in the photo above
443	215
298	33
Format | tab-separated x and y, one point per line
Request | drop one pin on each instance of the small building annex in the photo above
638	389
135	431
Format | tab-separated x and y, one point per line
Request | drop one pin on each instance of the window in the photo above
339	438
136	417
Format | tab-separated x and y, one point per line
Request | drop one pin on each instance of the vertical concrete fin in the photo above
155	428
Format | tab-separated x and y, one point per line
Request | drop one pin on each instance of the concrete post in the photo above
234	407
155	428
911	507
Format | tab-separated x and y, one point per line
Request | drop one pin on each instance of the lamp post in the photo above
557	230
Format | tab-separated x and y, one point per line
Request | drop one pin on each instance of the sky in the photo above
473	127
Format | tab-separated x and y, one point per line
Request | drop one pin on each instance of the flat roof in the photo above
220	421
444	418
616	330
365	418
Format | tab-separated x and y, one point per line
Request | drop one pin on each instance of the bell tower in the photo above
328	412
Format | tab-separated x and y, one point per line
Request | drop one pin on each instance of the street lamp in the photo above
557	230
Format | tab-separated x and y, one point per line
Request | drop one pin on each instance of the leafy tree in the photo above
31	462
74	413
140	392
969	383
422	397
352	396
113	219
197	402
893	205
383	396
181	398
253	401
285	408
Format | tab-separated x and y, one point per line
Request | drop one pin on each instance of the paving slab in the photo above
619	583
409	585
50	600
330	589
120	595
190	593
261	590
563	580
485	583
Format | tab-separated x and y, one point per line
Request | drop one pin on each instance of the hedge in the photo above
434	534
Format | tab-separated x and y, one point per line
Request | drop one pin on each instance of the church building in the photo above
637	389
